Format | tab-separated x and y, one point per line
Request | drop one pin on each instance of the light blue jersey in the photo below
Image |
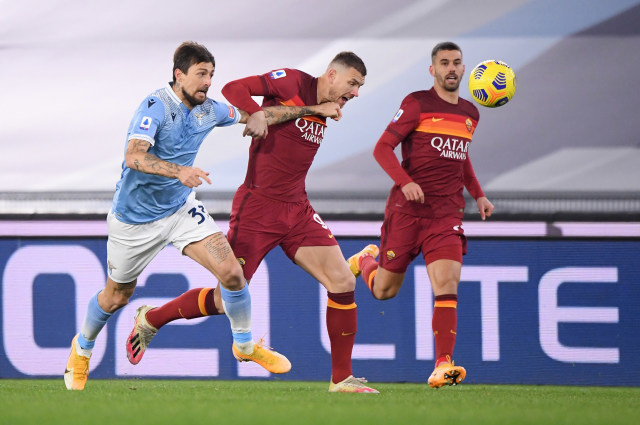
175	134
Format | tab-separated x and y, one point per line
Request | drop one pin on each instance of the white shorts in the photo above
131	247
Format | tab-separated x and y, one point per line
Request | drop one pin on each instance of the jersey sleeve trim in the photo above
144	137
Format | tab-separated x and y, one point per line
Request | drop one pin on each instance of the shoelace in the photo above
146	334
357	382
261	343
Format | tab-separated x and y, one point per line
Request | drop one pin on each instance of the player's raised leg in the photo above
382	283
327	265
194	303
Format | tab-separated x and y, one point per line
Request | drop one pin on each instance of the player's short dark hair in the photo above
189	53
445	45
352	60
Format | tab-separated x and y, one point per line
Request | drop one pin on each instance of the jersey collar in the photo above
173	94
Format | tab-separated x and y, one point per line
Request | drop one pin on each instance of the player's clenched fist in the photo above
330	110
256	127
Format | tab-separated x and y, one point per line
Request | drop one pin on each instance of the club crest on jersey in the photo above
241	261
278	74
199	117
145	123
469	125
398	115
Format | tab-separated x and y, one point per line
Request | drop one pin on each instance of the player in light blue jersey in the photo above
154	205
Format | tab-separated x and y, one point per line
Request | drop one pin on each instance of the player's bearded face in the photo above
196	82
448	69
346	85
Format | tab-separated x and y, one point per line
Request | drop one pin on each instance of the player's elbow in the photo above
380	151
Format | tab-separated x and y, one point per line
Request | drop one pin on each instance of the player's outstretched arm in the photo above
138	158
279	114
258	122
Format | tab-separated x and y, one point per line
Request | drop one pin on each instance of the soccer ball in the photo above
492	83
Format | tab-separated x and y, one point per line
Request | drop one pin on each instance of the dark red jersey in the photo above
435	137
278	164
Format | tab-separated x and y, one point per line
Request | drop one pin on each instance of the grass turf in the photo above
285	402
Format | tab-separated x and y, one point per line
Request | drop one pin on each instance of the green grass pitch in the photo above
283	402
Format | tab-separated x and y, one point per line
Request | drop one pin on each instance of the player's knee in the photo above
233	279
345	283
385	293
445	286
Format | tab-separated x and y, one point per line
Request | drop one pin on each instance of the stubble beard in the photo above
192	100
450	88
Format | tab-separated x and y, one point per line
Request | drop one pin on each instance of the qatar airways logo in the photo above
311	130
451	148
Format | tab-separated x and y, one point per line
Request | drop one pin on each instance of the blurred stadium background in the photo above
560	162
566	145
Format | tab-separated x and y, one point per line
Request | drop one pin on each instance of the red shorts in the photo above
259	224
403	236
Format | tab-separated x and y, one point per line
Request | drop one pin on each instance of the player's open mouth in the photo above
452	77
344	99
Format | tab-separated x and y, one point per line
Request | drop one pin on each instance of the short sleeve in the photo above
147	119
225	114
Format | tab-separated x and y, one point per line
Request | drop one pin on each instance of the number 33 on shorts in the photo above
198	215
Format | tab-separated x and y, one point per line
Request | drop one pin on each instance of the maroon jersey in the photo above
278	164
435	137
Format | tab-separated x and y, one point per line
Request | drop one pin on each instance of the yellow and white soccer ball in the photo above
492	83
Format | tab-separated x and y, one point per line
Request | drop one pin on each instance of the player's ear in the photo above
431	71
178	74
331	73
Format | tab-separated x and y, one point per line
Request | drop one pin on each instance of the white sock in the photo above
82	351
245	347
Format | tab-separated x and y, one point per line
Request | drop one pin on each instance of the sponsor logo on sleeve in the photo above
232	112
278	74
145	123
398	115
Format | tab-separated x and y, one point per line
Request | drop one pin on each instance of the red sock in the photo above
193	303
342	324
445	322
369	267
